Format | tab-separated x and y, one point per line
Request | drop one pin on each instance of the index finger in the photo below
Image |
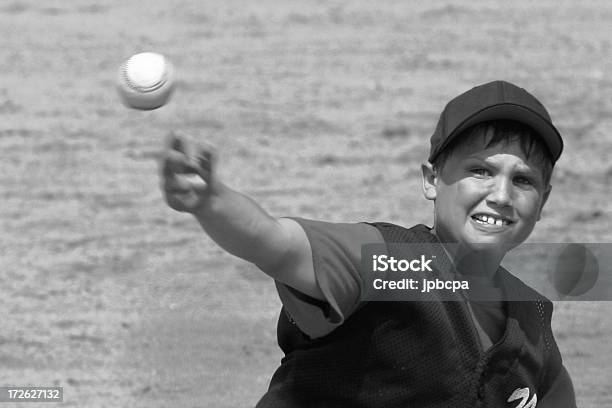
175	162
176	142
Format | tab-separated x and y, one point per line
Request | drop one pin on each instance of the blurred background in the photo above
319	109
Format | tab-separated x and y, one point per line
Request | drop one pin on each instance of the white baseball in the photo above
146	81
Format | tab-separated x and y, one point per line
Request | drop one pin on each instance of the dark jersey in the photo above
418	354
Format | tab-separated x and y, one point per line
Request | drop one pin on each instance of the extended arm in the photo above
279	247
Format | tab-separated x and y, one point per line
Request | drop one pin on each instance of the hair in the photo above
504	131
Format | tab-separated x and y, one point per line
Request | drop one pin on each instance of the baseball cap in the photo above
491	101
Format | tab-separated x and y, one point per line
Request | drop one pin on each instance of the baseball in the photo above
145	81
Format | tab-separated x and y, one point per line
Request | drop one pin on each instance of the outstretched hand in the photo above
187	180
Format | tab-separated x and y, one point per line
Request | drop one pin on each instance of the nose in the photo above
501	192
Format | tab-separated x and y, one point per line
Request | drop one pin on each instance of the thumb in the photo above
193	182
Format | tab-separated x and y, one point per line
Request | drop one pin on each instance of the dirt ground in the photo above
319	109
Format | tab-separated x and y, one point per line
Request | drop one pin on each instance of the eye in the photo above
480	171
523	180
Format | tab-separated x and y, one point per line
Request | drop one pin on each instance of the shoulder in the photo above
324	234
397	233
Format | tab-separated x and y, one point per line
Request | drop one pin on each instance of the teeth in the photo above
485	219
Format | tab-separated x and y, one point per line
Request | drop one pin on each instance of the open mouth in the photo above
486	219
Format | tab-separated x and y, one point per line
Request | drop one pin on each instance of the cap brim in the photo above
549	134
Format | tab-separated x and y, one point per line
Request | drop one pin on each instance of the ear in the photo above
430	178
544	199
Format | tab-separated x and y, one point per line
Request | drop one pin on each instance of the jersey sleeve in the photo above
336	257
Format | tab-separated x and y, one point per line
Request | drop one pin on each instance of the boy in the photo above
488	175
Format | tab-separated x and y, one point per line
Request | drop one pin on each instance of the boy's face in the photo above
485	195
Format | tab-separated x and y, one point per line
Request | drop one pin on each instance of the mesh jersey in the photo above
336	253
397	354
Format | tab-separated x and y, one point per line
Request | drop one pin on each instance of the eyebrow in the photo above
521	168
